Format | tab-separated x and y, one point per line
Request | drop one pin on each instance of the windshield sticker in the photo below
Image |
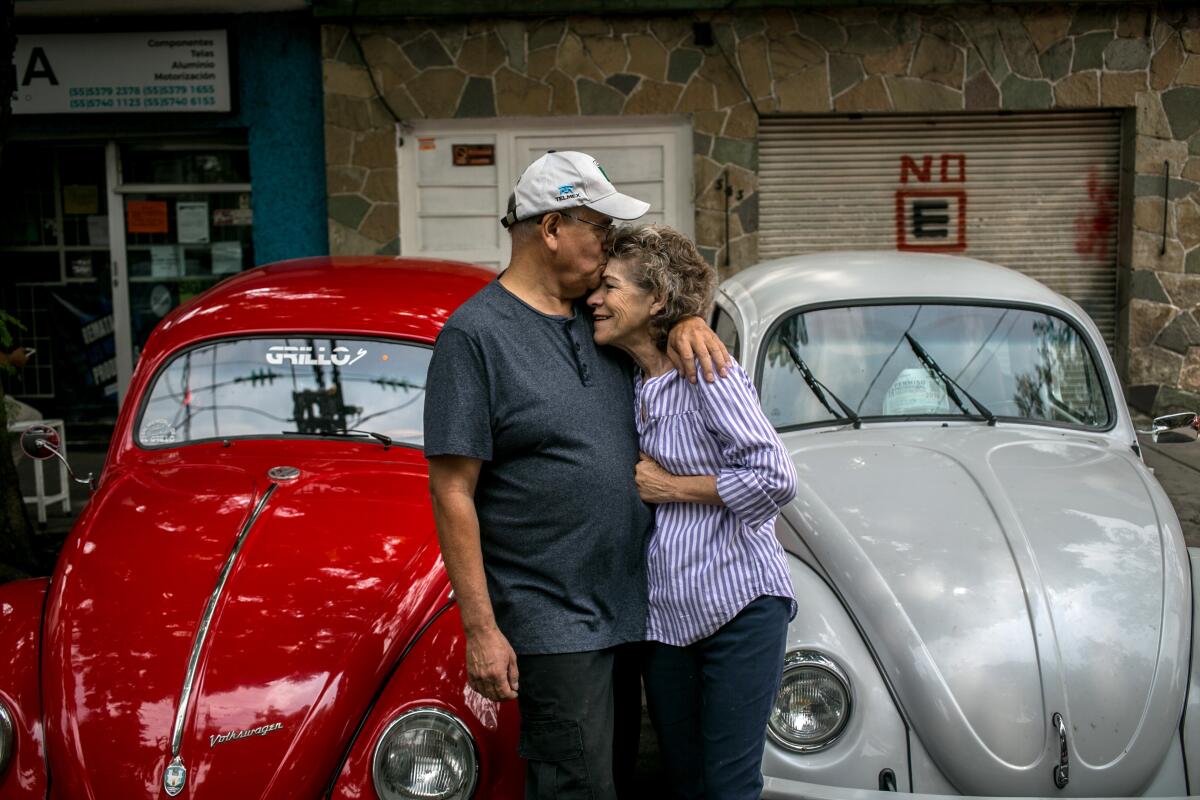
915	391
158	431
310	356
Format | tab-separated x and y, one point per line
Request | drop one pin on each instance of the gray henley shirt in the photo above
550	414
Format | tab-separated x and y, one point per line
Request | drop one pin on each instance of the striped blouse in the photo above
705	563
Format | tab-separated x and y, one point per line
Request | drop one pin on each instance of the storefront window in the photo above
55	277
183	221
141	165
189	228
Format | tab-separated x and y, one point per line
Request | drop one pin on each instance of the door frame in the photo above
508	129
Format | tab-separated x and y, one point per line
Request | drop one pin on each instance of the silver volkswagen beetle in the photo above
995	596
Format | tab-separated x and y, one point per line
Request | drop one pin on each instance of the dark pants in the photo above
709	702
566	703
627	717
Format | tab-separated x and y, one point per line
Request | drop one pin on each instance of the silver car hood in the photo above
1002	575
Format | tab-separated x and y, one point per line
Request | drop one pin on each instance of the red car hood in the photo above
334	577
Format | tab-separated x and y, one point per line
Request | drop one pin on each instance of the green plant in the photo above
6	335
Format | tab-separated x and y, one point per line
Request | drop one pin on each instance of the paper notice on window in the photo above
78	199
97	230
191	221
226	258
166	261
146	216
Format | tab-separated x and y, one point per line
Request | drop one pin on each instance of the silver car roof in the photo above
772	287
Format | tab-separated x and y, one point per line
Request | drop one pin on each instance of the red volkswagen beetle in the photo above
253	603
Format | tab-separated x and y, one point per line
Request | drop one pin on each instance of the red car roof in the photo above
408	297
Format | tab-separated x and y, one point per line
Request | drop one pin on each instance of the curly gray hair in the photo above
667	264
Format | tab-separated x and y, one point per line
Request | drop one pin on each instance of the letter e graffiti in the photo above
39	67
928	225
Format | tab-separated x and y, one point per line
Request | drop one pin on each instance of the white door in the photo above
452	210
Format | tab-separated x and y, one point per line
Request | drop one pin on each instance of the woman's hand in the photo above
653	482
656	485
691	339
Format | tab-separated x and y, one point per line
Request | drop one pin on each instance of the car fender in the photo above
432	673
876	737
21	605
1190	726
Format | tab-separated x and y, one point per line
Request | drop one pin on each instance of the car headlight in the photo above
813	704
425	753
6	737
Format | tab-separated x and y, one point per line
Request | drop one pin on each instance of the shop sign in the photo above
112	73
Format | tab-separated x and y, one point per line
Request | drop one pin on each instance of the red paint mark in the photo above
908	226
923	172
1094	226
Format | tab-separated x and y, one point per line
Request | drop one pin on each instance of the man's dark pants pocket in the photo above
556	768
566	703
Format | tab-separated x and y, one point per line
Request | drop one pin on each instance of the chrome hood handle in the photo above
1062	771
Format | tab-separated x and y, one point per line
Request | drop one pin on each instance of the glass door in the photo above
186	225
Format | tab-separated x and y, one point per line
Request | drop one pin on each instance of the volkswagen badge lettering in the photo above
313	356
175	777
262	730
283	473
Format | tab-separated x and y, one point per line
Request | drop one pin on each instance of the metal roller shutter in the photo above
1036	192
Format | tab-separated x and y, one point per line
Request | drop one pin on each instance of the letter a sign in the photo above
38	67
122	73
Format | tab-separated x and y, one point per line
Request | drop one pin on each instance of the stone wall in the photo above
925	59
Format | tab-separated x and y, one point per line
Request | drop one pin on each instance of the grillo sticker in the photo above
301	356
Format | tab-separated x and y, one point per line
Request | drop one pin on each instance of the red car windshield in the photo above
269	387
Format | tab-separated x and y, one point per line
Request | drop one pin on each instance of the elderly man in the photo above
532	449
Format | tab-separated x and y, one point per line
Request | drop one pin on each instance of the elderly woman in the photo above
720	596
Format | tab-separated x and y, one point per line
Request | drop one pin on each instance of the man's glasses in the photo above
609	229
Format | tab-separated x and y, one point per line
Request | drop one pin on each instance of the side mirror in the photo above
1173	428
41	442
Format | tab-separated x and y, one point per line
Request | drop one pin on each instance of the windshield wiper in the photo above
817	386
926	359
386	440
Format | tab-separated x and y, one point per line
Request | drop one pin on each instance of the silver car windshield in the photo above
1021	364
264	387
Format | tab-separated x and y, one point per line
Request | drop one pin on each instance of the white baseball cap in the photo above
564	179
